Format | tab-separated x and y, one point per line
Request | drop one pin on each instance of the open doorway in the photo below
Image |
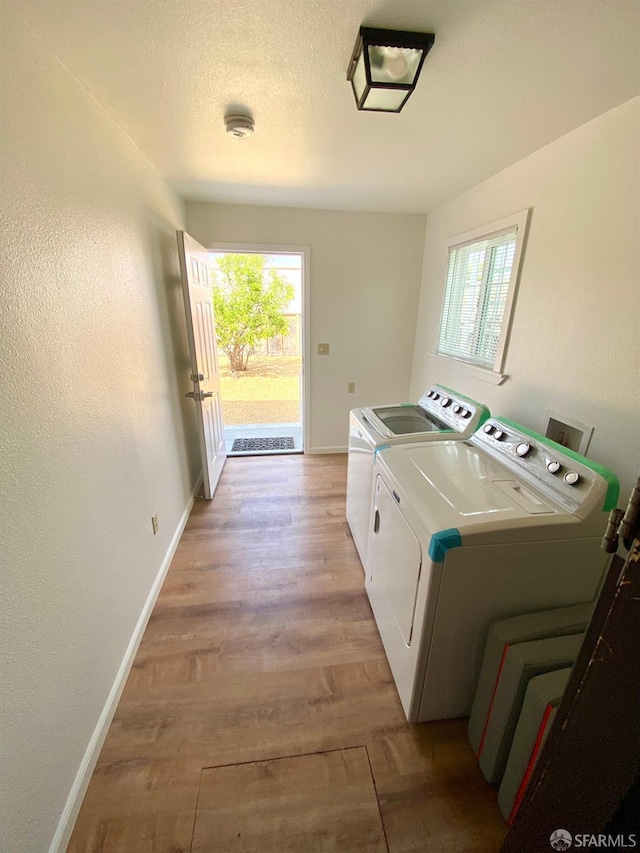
258	300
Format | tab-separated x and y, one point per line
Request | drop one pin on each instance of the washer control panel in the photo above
564	478
456	412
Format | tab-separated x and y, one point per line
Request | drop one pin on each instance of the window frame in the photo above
518	222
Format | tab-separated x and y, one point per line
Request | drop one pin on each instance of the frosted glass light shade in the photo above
385	66
384	100
394	64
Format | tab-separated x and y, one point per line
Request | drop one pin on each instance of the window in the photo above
480	286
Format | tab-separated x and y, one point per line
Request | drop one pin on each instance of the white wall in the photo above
365	279
94	436
575	336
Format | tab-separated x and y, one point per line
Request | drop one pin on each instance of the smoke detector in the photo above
240	127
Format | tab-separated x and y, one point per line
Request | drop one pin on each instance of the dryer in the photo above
439	414
465	533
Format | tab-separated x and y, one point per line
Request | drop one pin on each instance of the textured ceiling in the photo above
504	78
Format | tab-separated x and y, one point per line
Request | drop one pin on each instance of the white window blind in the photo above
479	276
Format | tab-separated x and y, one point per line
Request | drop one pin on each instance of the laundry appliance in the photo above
439	414
465	533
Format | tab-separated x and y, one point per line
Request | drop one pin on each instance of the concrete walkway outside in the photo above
274	430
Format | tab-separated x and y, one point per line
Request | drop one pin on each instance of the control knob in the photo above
499	434
445	402
553	466
457	409
523	449
488	428
466	413
571	478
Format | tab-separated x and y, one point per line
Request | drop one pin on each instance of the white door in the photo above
205	371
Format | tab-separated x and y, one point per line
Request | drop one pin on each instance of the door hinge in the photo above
630	524
623	524
611	535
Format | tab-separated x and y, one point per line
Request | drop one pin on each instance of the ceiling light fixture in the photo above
385	66
239	126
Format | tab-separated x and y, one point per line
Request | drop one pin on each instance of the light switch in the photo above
323	349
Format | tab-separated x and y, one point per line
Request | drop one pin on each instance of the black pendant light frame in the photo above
372	37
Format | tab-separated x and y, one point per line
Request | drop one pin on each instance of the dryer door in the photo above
395	558
359	484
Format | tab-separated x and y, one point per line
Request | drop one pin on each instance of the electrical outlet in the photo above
351	387
323	349
154	522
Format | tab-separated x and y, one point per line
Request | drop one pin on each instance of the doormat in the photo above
253	444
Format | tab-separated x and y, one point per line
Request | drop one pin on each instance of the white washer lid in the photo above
452	485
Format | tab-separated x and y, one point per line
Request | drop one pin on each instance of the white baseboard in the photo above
87	765
336	449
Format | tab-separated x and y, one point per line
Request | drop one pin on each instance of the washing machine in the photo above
440	413
465	533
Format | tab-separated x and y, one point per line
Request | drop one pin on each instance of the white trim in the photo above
305	252
306	343
490	230
491	376
71	809
336	449
520	221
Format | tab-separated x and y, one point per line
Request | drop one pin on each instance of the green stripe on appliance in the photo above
481	408
613	484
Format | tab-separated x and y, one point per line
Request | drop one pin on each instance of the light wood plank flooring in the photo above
322	801
262	646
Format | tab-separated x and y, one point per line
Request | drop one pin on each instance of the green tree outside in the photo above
249	303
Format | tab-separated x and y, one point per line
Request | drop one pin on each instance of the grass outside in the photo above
267	393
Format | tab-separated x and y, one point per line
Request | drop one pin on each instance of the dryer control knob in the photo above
466	413
523	449
571	478
457	409
499	434
552	466
445	402
435	395
429	394
488	428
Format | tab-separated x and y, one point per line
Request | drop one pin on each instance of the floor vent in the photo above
244	445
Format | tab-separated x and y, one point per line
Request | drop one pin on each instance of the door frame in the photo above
305	252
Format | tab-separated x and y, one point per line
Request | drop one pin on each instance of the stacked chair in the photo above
526	666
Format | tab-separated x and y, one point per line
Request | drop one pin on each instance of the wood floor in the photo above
261	647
